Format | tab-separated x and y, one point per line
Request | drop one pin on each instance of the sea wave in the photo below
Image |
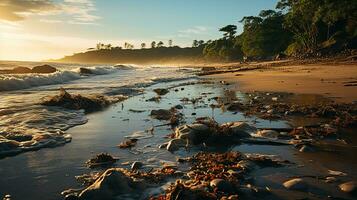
9	82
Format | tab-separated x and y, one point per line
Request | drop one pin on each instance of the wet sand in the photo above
335	81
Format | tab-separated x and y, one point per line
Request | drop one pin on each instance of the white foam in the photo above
9	82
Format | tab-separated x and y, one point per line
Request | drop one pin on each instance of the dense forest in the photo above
296	28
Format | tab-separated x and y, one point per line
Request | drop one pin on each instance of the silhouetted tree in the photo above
195	43
160	44
143	45
229	31
153	44
170	43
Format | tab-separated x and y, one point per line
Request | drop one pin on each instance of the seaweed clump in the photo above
77	102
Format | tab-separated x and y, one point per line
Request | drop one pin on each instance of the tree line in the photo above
294	28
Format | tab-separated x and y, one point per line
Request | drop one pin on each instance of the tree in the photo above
143	45
160	44
195	43
263	35
153	44
229	31
302	19
170	43
201	42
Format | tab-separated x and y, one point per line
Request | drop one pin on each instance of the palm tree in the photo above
170	43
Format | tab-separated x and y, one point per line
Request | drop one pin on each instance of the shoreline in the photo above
337	81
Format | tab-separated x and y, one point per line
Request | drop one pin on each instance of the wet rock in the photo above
178	107
241	129
221	185
161	114
43	69
175	144
296	184
101	160
83	70
235	107
19	137
109	185
349	187
154	99
136	165
268	133
76	102
128	143
194	133
161	91
21	70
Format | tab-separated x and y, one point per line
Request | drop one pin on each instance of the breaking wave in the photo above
9	82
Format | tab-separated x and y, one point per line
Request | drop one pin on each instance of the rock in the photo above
349	187
161	91
109	185
77	102
274	98
136	165
235	107
83	70
221	185
19	137
43	69
128	143
21	70
241	129
175	144
295	184
268	133
161	114
178	107
194	133
101	160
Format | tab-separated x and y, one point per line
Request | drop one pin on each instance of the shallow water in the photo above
43	174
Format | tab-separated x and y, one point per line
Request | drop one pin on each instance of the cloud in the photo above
80	11
17	10
195	30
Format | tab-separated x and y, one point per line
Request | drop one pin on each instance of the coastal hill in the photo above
158	55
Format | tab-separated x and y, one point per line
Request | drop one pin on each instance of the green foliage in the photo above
264	35
222	49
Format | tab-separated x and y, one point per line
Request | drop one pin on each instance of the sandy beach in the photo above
337	81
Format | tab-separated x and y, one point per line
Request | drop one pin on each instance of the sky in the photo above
34	30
